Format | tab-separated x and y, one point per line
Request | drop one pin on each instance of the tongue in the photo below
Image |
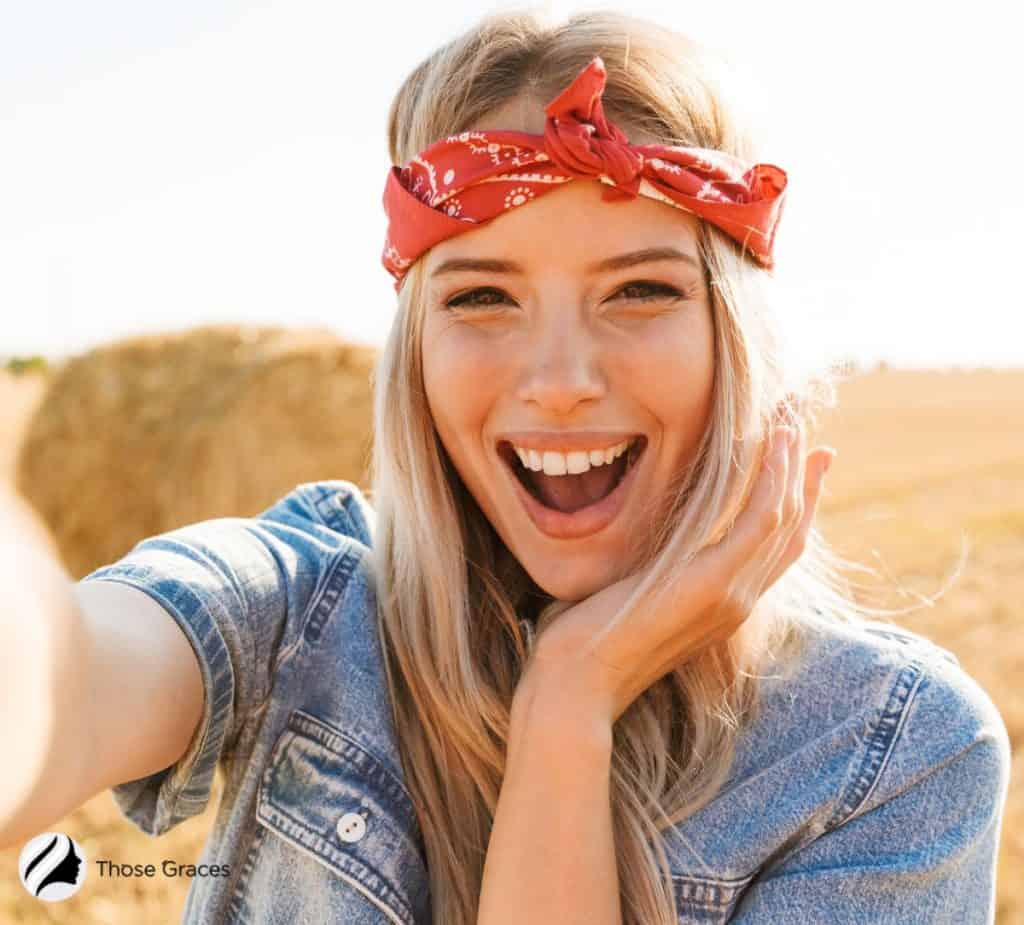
569	493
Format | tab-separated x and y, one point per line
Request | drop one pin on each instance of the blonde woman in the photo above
585	658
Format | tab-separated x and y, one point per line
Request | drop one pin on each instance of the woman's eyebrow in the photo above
619	262
645	255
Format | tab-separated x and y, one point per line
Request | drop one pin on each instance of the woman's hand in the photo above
710	599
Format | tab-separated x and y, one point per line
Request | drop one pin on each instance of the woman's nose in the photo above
561	370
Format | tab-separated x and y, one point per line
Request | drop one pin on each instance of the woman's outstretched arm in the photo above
97	683
551	856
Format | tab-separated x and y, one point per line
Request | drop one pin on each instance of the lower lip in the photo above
584	522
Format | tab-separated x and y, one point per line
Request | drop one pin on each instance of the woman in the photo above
587	661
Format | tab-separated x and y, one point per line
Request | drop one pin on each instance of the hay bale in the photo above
150	433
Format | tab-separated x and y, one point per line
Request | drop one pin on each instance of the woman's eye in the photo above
653	290
639	291
473	298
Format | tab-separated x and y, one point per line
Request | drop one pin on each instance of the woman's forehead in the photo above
573	226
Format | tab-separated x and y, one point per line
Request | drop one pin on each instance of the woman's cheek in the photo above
460	367
669	350
463	356
670	371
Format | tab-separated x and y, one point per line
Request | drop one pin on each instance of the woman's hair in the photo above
456	608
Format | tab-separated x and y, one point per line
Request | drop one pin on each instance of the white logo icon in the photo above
52	866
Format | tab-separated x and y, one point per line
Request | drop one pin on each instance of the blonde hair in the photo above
455	607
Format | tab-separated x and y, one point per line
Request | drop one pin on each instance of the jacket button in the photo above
351	827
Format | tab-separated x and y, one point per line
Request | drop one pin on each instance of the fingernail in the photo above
828	461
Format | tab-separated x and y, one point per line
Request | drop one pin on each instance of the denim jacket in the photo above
870	790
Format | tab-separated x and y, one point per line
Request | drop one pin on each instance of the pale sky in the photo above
164	165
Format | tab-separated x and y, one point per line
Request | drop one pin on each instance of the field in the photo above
927	490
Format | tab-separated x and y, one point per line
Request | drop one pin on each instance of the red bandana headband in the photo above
468	179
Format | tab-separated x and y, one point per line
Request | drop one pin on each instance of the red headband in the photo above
468	179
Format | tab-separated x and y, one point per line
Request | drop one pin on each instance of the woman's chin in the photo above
569	580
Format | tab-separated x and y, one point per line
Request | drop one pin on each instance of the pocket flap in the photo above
332	797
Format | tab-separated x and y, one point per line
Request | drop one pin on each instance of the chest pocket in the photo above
705	900
341	807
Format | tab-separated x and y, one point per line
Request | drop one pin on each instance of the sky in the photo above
164	165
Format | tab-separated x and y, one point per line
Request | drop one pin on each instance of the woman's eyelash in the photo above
469	298
657	291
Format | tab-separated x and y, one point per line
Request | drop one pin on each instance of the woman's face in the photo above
562	348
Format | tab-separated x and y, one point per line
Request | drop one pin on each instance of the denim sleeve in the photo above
917	837
237	587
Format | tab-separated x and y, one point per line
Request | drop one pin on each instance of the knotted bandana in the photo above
467	179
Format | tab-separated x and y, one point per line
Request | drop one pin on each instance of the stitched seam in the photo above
348	869
287	651
342	745
352	870
239	893
707	894
880	744
331	593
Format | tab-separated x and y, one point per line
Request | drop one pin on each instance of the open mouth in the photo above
570	493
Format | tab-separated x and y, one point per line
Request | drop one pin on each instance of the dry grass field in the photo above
927	490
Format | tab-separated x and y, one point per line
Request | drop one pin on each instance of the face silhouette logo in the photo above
52	866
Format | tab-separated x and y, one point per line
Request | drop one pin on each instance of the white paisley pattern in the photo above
517	196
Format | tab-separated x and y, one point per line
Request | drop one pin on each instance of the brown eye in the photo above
652	290
475	297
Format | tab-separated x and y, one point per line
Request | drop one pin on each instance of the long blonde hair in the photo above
455	607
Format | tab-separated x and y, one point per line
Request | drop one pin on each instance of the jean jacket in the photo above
870	790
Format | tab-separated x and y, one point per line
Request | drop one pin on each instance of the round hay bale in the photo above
150	433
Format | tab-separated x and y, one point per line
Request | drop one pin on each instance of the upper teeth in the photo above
554	463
